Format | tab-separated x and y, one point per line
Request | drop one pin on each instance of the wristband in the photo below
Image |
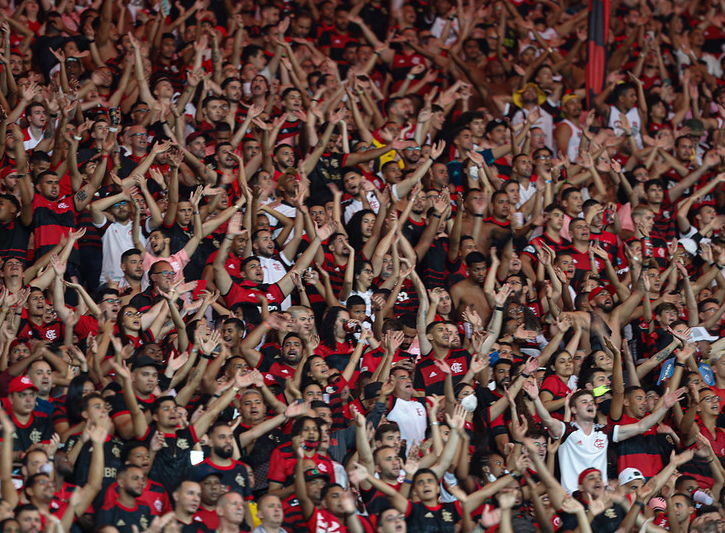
436	215
408	481
197	212
517	476
411	76
478	215
525	375
267	324
516	441
500	308
78	137
235	389
229	237
435	423
681	365
640	504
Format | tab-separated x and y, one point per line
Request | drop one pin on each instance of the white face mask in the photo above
247	88
470	403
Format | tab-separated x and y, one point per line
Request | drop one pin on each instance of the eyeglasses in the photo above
112	300
137	314
394	518
165	273
544	157
139	135
414	148
711	399
142	111
119	204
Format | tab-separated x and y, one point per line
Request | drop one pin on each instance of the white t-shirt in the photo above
116	240
411	417
580	451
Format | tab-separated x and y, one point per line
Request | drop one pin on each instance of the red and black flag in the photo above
598	34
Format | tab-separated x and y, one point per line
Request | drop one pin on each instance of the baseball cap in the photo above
194	136
371	390
21	383
629	474
315	473
145	360
699	333
202	471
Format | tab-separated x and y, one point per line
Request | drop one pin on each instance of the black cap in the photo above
316	473
371	390
202	471
145	360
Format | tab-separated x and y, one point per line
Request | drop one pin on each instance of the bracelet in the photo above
78	137
681	365
478	215
526	375
376	52
408	481
499	308
235	389
53	115
267	324
710	461
197	212
229	237
640	504
436	423
411	76
436	215
301	289
516	441
517	476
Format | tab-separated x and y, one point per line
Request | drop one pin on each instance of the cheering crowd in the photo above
367	267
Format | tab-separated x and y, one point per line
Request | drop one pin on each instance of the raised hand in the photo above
671	398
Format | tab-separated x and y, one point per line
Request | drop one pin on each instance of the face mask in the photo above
470	403
600	391
604	407
247	88
309	445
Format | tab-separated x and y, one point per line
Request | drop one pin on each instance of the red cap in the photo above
21	383
587	472
595	292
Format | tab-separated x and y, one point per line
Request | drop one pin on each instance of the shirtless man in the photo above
496	229
470	290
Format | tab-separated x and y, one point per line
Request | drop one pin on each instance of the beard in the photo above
224	452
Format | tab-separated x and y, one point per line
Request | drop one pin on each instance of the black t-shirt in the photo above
233	477
38	429
196	526
123	518
439	519
14	238
327	171
606	522
173	462
111	463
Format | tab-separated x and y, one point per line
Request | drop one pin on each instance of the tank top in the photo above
572	150
634	121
